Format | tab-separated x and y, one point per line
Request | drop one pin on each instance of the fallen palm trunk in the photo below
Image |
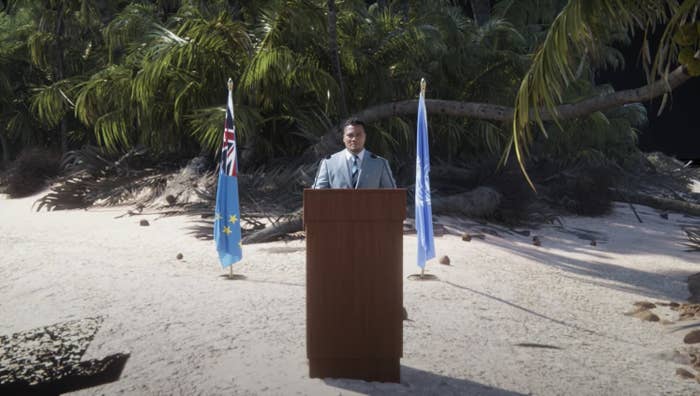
480	202
657	202
293	223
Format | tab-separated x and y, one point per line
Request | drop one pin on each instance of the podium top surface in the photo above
379	204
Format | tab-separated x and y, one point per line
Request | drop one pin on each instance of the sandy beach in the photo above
506	317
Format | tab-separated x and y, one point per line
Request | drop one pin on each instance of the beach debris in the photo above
179	256
646	315
686	311
536	241
594	243
468	237
692	338
693	234
685	374
642	311
444	260
144	223
644	304
694	286
170	199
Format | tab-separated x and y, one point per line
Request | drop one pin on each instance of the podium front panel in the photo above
354	249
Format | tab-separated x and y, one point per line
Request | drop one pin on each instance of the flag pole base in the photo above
232	276
422	277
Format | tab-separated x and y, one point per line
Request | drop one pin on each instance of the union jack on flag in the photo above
227	220
229	165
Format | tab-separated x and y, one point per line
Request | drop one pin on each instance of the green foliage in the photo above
611	135
687	37
572	35
153	73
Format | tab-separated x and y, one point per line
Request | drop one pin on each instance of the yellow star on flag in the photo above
227	230
233	219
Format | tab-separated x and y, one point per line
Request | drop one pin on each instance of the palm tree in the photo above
17	125
66	46
576	31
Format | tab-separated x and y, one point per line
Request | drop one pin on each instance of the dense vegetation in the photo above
121	75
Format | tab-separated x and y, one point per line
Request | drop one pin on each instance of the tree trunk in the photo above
674	205
481	10
5	151
63	127
274	232
333	52
484	111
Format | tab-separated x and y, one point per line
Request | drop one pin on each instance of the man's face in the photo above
354	138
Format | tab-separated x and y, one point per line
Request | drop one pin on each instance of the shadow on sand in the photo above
419	382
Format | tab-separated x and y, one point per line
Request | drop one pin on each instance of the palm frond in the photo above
51	103
572	33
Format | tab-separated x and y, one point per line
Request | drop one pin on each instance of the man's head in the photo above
354	135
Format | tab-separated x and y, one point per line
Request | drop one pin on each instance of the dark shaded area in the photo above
84	375
47	360
419	382
676	131
30	172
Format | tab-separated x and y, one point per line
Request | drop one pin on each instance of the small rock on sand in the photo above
692	338
445	260
646	316
644	304
685	374
179	256
144	223
466	237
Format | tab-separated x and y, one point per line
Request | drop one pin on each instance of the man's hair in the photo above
353	121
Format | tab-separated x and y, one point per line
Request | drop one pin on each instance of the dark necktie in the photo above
355	171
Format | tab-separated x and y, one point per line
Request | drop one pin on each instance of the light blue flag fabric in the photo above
424	212
227	219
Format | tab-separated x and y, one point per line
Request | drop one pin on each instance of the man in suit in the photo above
354	167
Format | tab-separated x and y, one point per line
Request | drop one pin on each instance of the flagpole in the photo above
423	216
229	84
422	93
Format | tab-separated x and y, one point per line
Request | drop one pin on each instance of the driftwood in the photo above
271	233
657	202
479	202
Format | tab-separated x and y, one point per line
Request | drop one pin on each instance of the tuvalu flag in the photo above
227	223
424	212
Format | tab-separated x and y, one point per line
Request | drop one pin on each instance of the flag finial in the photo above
422	86
230	84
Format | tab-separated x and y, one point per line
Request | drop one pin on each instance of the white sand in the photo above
190	331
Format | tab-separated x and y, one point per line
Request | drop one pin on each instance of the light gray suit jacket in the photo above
334	172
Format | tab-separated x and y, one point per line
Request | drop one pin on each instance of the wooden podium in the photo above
354	288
